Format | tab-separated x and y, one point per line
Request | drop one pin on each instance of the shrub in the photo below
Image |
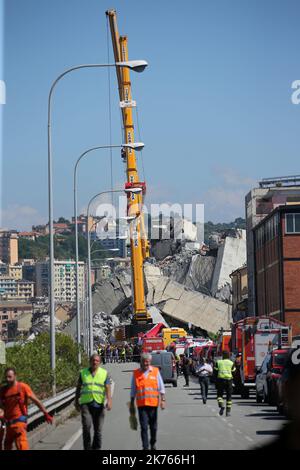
32	362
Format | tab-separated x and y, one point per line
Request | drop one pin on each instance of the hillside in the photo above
64	247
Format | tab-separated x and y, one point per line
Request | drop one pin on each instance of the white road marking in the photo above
69	444
249	438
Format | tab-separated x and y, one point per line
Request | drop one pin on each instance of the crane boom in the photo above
139	244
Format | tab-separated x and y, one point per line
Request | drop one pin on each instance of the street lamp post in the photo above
91	338
133	190
137	66
135	146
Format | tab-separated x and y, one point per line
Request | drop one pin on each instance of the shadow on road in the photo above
247	403
202	416
268	433
263	415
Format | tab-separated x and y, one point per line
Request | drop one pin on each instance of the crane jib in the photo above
139	242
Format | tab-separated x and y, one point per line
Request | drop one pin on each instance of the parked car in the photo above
166	363
267	376
282	403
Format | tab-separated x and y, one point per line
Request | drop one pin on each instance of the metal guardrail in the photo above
52	404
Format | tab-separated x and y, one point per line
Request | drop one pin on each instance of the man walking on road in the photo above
185	367
14	398
204	371
224	368
94	385
147	388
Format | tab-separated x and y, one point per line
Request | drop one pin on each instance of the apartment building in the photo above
9	247
15	271
12	289
64	280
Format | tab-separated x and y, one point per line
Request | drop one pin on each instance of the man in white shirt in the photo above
204	371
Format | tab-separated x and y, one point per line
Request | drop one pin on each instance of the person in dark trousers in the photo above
224	369
136	353
103	356
185	367
147	389
93	387
177	361
204	371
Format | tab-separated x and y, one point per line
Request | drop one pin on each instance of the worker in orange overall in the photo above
147	388
14	397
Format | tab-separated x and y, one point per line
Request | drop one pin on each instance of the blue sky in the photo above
214	105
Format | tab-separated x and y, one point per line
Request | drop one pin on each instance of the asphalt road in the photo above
185	424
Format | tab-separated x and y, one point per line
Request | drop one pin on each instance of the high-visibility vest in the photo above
147	393
93	387
225	367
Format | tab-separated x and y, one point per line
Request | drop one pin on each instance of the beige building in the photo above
64	280
13	289
25	289
9	247
63	312
239	281
12	310
15	271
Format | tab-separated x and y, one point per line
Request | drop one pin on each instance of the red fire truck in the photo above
224	342
252	338
153	344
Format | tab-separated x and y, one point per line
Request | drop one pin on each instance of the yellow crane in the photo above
138	240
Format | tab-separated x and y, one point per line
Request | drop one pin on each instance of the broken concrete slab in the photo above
190	306
231	255
200	273
112	295
159	290
157	316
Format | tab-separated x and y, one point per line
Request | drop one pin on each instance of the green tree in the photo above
64	246
32	362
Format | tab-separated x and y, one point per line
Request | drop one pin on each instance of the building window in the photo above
292	223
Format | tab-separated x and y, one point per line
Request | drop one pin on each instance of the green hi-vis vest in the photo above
93	387
225	368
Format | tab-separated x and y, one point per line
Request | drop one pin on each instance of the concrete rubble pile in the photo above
178	302
190	269
112	295
170	235
209	272
188	286
103	326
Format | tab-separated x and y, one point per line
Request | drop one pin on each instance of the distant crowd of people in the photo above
113	353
